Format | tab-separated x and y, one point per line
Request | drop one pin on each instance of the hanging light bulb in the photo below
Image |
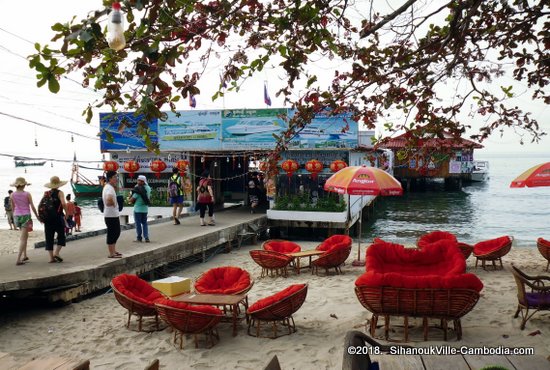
72	138
215	164
227	159
202	159
239	165
115	29
51	164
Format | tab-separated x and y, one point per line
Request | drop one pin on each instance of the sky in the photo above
21	27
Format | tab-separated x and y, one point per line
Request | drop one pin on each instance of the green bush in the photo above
302	202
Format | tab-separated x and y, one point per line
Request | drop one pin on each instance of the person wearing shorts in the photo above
21	203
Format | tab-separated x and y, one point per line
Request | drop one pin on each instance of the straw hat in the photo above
20	181
55	183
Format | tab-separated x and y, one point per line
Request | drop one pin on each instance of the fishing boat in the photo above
249	127
82	186
480	171
24	162
200	132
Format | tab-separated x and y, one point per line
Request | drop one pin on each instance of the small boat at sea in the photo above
250	127
480	171
201	132
24	162
82	186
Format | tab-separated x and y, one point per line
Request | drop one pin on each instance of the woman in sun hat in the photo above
21	203
55	224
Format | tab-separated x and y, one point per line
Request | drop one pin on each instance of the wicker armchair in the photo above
492	250
333	258
281	246
277	309
271	262
224	280
189	319
465	249
137	296
544	248
538	298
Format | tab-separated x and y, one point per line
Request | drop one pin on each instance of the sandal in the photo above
19	263
211	224
114	256
25	259
58	259
117	254
52	261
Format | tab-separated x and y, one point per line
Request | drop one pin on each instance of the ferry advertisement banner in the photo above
252	128
191	130
122	131
327	132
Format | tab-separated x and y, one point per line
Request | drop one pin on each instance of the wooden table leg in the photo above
298	265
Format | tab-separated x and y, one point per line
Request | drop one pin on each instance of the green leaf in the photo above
53	84
41	82
58	27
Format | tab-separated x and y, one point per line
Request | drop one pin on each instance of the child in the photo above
77	216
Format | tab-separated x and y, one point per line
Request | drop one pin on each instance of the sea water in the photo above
477	212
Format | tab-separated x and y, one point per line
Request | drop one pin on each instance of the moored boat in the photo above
480	171
82	186
24	162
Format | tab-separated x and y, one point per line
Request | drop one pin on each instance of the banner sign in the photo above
123	131
191	130
144	160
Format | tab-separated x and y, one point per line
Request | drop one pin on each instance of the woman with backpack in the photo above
205	198
52	208
21	203
175	195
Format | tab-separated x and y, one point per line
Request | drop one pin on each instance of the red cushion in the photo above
435	236
190	307
282	246
334	240
268	301
544	242
135	288
441	258
488	246
393	279
223	280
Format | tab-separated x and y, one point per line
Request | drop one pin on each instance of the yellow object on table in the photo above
173	285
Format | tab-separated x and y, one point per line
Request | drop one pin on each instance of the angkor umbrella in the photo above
363	180
538	175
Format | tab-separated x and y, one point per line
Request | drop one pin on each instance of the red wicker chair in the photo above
333	258
224	280
281	246
137	296
271	262
492	250
434	237
277	308
425	283
465	249
189	319
334	241
538	298
544	248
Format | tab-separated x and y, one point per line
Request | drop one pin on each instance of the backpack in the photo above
204	195
47	211
101	204
173	187
7	204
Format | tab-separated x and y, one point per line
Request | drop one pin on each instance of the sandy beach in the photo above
95	328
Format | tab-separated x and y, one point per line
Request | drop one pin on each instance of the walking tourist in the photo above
254	195
175	195
205	199
52	208
140	198
9	210
21	203
111	213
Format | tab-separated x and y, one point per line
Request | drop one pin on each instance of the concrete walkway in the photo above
86	267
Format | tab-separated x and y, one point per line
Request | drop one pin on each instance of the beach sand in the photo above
9	241
95	328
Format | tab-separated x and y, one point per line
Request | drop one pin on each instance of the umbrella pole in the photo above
358	261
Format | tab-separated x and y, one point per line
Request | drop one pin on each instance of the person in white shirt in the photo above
111	213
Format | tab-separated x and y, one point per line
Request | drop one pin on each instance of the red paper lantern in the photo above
182	165
263	166
314	166
290	166
337	165
157	166
131	166
110	166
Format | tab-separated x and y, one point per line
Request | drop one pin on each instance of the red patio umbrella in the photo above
363	180
538	175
